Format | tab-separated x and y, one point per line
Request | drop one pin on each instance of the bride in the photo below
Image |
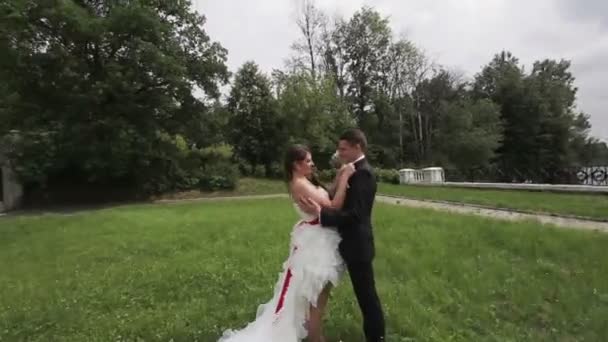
314	264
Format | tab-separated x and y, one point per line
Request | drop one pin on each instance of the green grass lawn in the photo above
187	272
592	206
583	205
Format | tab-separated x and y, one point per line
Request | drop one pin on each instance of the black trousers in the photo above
362	277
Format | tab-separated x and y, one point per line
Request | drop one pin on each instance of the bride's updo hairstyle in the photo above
294	154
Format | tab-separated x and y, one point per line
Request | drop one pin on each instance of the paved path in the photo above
565	222
501	214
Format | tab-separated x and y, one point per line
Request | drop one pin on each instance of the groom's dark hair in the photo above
355	136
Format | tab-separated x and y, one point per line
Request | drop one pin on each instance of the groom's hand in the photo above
309	206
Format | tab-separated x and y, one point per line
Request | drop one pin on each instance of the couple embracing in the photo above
334	234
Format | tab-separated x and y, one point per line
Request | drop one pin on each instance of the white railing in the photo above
436	176
418	176
429	175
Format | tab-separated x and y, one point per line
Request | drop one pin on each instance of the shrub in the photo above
387	176
218	172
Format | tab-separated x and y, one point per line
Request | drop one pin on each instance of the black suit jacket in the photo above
354	219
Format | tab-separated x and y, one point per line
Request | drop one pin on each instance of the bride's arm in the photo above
341	184
334	184
303	189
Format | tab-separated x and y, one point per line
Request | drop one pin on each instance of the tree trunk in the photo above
400	139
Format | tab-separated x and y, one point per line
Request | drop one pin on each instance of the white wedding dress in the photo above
313	262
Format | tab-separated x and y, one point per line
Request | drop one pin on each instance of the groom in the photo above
355	227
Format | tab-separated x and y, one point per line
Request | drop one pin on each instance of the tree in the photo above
314	114
469	134
429	96
333	54
366	43
503	82
370	72
212	127
310	21
553	86
257	132
594	153
541	127
405	68
584	149
86	73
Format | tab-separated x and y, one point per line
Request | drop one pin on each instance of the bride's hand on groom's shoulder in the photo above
347	170
342	169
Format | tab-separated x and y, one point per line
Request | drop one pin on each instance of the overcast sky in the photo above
459	34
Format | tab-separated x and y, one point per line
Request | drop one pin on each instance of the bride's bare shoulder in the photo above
299	184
